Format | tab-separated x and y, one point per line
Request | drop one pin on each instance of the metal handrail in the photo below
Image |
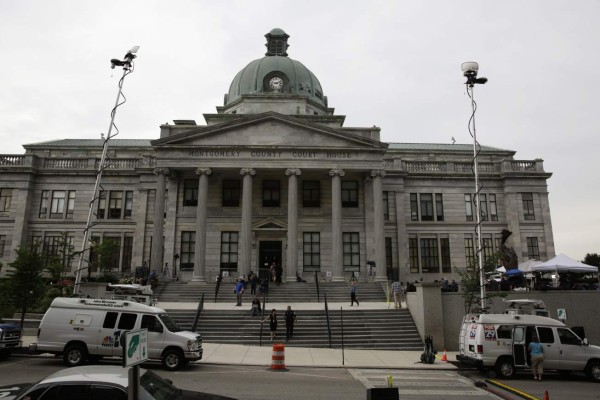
317	283
328	323
198	312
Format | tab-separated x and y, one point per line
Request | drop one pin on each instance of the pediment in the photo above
268	130
270	224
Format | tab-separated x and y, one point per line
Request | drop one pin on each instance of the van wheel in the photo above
74	355
593	371
173	359
505	368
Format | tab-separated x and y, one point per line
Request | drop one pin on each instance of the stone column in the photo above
159	212
337	253
292	233
200	244
245	255
380	271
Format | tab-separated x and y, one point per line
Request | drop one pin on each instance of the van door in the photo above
156	335
551	347
573	354
107	335
519	347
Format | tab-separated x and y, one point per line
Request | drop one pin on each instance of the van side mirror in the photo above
585	342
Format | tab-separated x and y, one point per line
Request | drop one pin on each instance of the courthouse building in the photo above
275	176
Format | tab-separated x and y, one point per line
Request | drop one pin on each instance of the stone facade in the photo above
275	176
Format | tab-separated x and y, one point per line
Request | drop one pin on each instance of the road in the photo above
248	382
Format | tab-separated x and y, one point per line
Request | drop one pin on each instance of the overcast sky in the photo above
394	64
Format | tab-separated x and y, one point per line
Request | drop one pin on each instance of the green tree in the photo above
60	263
592	259
106	256
470	284
25	283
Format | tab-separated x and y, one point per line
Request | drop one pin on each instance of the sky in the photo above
393	64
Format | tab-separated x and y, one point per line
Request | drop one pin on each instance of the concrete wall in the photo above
582	307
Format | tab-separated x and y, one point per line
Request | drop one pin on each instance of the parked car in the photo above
95	382
10	338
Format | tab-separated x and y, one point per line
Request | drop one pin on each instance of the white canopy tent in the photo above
563	263
526	266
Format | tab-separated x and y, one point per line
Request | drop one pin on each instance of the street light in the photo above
127	64
470	70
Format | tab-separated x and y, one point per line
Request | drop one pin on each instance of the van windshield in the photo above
169	323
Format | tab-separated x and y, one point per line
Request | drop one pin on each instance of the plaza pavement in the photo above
215	353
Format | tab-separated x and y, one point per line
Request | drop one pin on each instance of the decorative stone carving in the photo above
205	171
337	172
248	171
161	171
293	171
377	173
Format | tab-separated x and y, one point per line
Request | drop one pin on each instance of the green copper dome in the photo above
276	74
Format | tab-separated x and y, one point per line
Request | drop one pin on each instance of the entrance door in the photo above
268	252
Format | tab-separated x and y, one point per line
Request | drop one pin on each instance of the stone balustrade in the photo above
6	160
65	163
443	167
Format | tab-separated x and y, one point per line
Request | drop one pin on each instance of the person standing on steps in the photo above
290	319
239	290
272	323
353	287
397	293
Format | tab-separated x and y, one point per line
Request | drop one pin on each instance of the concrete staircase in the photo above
385	329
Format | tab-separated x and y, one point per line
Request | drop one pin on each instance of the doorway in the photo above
269	251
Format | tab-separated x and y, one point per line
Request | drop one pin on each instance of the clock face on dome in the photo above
276	83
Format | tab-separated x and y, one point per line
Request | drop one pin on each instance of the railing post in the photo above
198	312
317	283
328	323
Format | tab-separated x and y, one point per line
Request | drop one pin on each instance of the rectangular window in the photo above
483	205
231	193
469	251
493	208
229	250
439	207
349	194
128	204
188	250
468	207
190	192
528	211
414	207
2	245
388	254
5	199
271	193
110	320
71	204
386	206
101	204
413	255
127	253
426	207
127	321
57	206
114	257
44	201
311	251
93	254
52	245
487	244
445	249
115	204
311	194
533	250
429	256
351	249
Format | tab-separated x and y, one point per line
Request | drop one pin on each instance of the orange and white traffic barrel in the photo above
278	358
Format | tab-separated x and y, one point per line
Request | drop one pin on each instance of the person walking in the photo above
256	310
253	283
290	319
239	290
397	293
537	358
353	287
272	317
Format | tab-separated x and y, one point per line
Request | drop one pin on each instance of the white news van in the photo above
500	341
89	329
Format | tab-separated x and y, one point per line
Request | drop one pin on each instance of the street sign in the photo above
136	347
562	314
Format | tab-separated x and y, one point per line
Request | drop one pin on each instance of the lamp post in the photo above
127	64
470	70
